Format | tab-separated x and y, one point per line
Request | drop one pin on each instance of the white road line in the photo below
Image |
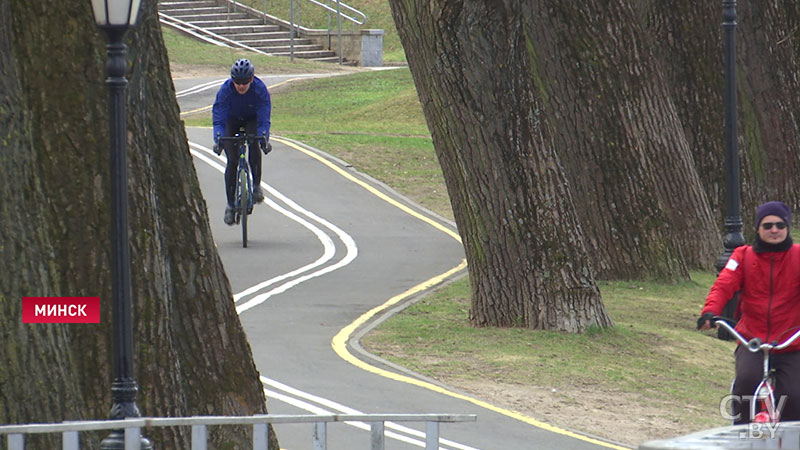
199	88
205	154
301	399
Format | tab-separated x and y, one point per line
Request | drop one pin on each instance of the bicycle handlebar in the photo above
242	137
754	344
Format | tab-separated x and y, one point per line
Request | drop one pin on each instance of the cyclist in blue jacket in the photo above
242	101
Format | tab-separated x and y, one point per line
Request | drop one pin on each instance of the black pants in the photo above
749	372
251	128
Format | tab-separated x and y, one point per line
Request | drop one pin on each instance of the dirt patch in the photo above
608	414
194	71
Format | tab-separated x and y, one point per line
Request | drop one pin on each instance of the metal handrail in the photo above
16	433
363	16
358	21
203	34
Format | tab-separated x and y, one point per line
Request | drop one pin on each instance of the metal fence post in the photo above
320	436
378	439
69	440
431	435
199	437
291	30
260	436
339	28
16	442
133	436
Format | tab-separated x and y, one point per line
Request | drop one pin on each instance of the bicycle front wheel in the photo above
244	201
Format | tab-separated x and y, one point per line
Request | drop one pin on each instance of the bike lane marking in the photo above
303	400
328	245
339	342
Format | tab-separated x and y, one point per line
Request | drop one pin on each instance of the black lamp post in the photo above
733	218
115	17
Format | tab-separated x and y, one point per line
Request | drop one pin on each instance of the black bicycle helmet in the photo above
242	70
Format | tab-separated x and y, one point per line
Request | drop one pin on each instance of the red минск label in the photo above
61	309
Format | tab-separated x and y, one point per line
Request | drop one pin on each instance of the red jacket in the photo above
769	302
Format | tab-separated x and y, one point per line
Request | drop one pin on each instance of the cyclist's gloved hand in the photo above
264	143
217	147
704	318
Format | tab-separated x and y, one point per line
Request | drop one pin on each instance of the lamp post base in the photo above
116	441
123	394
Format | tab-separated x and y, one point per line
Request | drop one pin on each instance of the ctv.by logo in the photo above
755	430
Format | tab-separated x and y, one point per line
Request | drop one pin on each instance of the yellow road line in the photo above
371	189
198	110
339	342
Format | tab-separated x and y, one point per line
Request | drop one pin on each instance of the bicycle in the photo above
764	394
243	203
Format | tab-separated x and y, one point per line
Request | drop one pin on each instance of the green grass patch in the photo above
653	353
186	52
309	15
372	120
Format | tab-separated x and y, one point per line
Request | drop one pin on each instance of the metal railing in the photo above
294	28
15	434
359	19
338	11
203	34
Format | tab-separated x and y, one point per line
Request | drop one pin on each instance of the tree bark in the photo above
192	356
691	47
769	101
527	260
626	97
621	139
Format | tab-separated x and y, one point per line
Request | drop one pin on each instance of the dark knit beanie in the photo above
773	209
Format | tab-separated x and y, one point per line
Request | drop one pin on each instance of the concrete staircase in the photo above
241	27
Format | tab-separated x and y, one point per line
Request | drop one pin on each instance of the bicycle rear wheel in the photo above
244	201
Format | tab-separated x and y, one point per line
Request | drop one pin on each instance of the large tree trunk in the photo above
621	139
527	261
769	101
627	98
192	356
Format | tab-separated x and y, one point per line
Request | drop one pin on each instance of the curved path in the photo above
330	252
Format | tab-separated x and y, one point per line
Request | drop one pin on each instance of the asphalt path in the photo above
330	253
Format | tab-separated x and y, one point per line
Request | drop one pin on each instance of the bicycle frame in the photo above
243	203
244	165
765	391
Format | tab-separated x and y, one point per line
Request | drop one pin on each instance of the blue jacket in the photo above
254	103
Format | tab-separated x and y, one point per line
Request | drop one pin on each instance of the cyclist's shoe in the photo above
258	195
229	215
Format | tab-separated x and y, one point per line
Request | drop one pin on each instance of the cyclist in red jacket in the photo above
767	275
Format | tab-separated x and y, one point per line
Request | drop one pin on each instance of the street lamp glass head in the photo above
115	13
